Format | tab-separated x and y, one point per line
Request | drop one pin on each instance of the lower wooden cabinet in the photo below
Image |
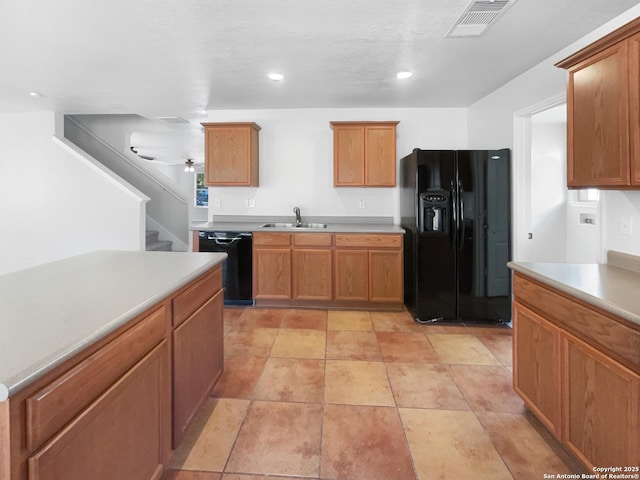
536	374
325	269
312	272
197	362
601	407
119	435
585	397
352	275
272	266
385	276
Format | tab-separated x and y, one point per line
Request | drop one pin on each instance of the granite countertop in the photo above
50	312
334	224
614	287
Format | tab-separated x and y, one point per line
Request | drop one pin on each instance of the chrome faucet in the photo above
296	210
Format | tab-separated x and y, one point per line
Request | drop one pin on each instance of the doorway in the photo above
551	222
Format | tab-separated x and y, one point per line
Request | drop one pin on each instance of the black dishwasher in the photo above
236	270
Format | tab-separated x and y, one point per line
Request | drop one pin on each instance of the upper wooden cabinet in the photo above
231	154
364	154
603	112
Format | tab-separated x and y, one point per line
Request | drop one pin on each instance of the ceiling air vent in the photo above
478	17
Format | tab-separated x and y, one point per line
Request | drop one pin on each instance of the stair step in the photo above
160	245
151	236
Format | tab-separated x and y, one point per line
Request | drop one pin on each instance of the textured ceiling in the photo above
177	57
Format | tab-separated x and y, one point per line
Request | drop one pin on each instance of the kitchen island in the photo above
104	359
577	355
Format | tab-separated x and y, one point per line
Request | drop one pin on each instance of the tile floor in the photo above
360	395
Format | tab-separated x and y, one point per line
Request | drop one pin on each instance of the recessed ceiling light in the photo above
35	94
276	77
403	75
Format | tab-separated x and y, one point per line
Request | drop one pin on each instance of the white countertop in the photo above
50	312
247	223
614	289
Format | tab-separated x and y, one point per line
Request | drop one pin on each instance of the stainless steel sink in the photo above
311	225
307	226
277	225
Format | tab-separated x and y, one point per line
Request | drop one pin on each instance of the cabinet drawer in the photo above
312	239
52	407
367	240
271	239
618	340
196	295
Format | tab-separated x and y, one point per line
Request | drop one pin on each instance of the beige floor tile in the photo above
357	383
279	438
261	318
349	320
240	476
240	377
394	322
405	347
231	316
425	386
350	345
299	343
302	318
255	342
451	444
364	443
189	475
524	448
461	349
292	380
500	345
487	388
466	329
207	443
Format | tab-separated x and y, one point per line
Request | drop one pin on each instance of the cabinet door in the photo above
351	276
385	276
536	366
231	155
380	156
634	107
312	274
598	120
272	273
348	155
601	407
120	435
197	362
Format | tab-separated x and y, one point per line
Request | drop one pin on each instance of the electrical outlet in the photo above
626	225
363	204
251	203
217	202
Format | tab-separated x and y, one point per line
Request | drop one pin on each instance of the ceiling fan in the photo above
188	164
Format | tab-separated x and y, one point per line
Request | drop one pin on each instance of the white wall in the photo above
491	122
53	203
619	204
296	159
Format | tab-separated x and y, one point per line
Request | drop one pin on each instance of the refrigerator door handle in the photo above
461	216
453	205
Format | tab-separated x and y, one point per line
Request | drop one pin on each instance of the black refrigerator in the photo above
455	207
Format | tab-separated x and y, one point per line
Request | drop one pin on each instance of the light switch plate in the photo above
626	225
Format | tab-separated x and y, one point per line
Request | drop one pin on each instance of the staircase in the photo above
156	245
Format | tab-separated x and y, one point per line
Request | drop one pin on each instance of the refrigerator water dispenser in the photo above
434	212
